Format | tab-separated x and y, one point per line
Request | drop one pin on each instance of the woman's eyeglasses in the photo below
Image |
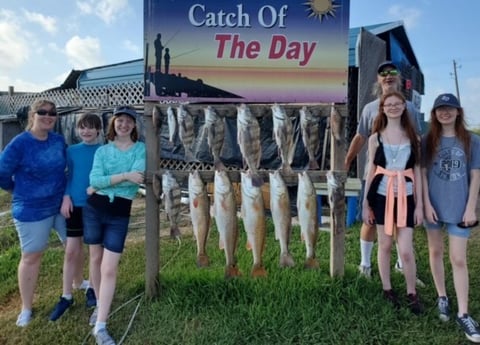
393	105
43	112
389	72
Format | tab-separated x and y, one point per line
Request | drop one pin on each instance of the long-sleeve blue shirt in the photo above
108	161
34	170
79	163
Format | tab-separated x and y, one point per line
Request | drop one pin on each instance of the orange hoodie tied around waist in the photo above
399	175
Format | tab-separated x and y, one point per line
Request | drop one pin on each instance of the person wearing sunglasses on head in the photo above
32	168
451	183
388	80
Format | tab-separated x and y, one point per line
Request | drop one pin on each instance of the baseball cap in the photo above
384	64
446	99
125	110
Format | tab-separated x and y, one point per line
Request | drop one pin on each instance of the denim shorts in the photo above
102	228
452	229
34	236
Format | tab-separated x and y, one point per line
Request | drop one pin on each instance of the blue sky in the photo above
42	41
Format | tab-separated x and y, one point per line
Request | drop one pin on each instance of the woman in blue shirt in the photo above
118	169
32	168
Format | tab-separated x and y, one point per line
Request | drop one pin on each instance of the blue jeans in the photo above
102	228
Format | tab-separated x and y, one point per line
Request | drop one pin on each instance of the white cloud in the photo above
409	15
83	53
14	43
131	46
106	10
84	7
48	24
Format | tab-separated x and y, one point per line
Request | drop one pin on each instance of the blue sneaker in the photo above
91	299
60	308
470	327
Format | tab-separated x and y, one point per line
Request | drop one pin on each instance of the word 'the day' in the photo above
233	47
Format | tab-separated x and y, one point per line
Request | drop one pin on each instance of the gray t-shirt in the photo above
365	125
449	176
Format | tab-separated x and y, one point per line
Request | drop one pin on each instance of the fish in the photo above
225	213
171	199
156	118
200	214
253	216
248	138
307	217
309	126
185	131
172	125
215	130
336	125
281	216
336	195
283	134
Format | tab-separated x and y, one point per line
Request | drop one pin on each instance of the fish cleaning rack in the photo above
155	122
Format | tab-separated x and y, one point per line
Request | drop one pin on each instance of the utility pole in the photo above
456	79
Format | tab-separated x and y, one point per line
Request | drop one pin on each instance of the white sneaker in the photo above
85	285
24	318
398	268
365	271
103	338
418	281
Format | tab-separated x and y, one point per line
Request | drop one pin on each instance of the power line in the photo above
456	79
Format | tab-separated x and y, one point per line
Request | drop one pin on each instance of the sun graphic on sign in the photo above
321	8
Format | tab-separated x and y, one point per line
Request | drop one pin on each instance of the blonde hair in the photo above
35	107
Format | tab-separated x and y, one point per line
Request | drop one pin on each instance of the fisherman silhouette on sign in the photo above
166	59
158	53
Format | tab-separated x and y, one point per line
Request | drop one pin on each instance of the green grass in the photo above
198	306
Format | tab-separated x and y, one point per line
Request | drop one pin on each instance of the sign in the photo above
250	51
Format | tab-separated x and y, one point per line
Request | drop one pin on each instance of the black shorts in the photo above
379	210
75	223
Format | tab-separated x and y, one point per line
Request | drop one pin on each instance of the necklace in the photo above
393	150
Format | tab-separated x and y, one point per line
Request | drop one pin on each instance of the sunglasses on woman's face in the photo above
389	72
43	112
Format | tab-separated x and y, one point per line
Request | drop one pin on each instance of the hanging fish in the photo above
185	131
200	215
156	118
336	125
309	126
225	211
172	202
248	137
253	216
281	216
307	217
215	129
172	125
283	133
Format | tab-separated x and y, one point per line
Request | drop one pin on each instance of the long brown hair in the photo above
435	133
381	122
111	130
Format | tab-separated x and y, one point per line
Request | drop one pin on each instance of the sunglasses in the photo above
43	112
390	72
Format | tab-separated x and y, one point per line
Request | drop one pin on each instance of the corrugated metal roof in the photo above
112	74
